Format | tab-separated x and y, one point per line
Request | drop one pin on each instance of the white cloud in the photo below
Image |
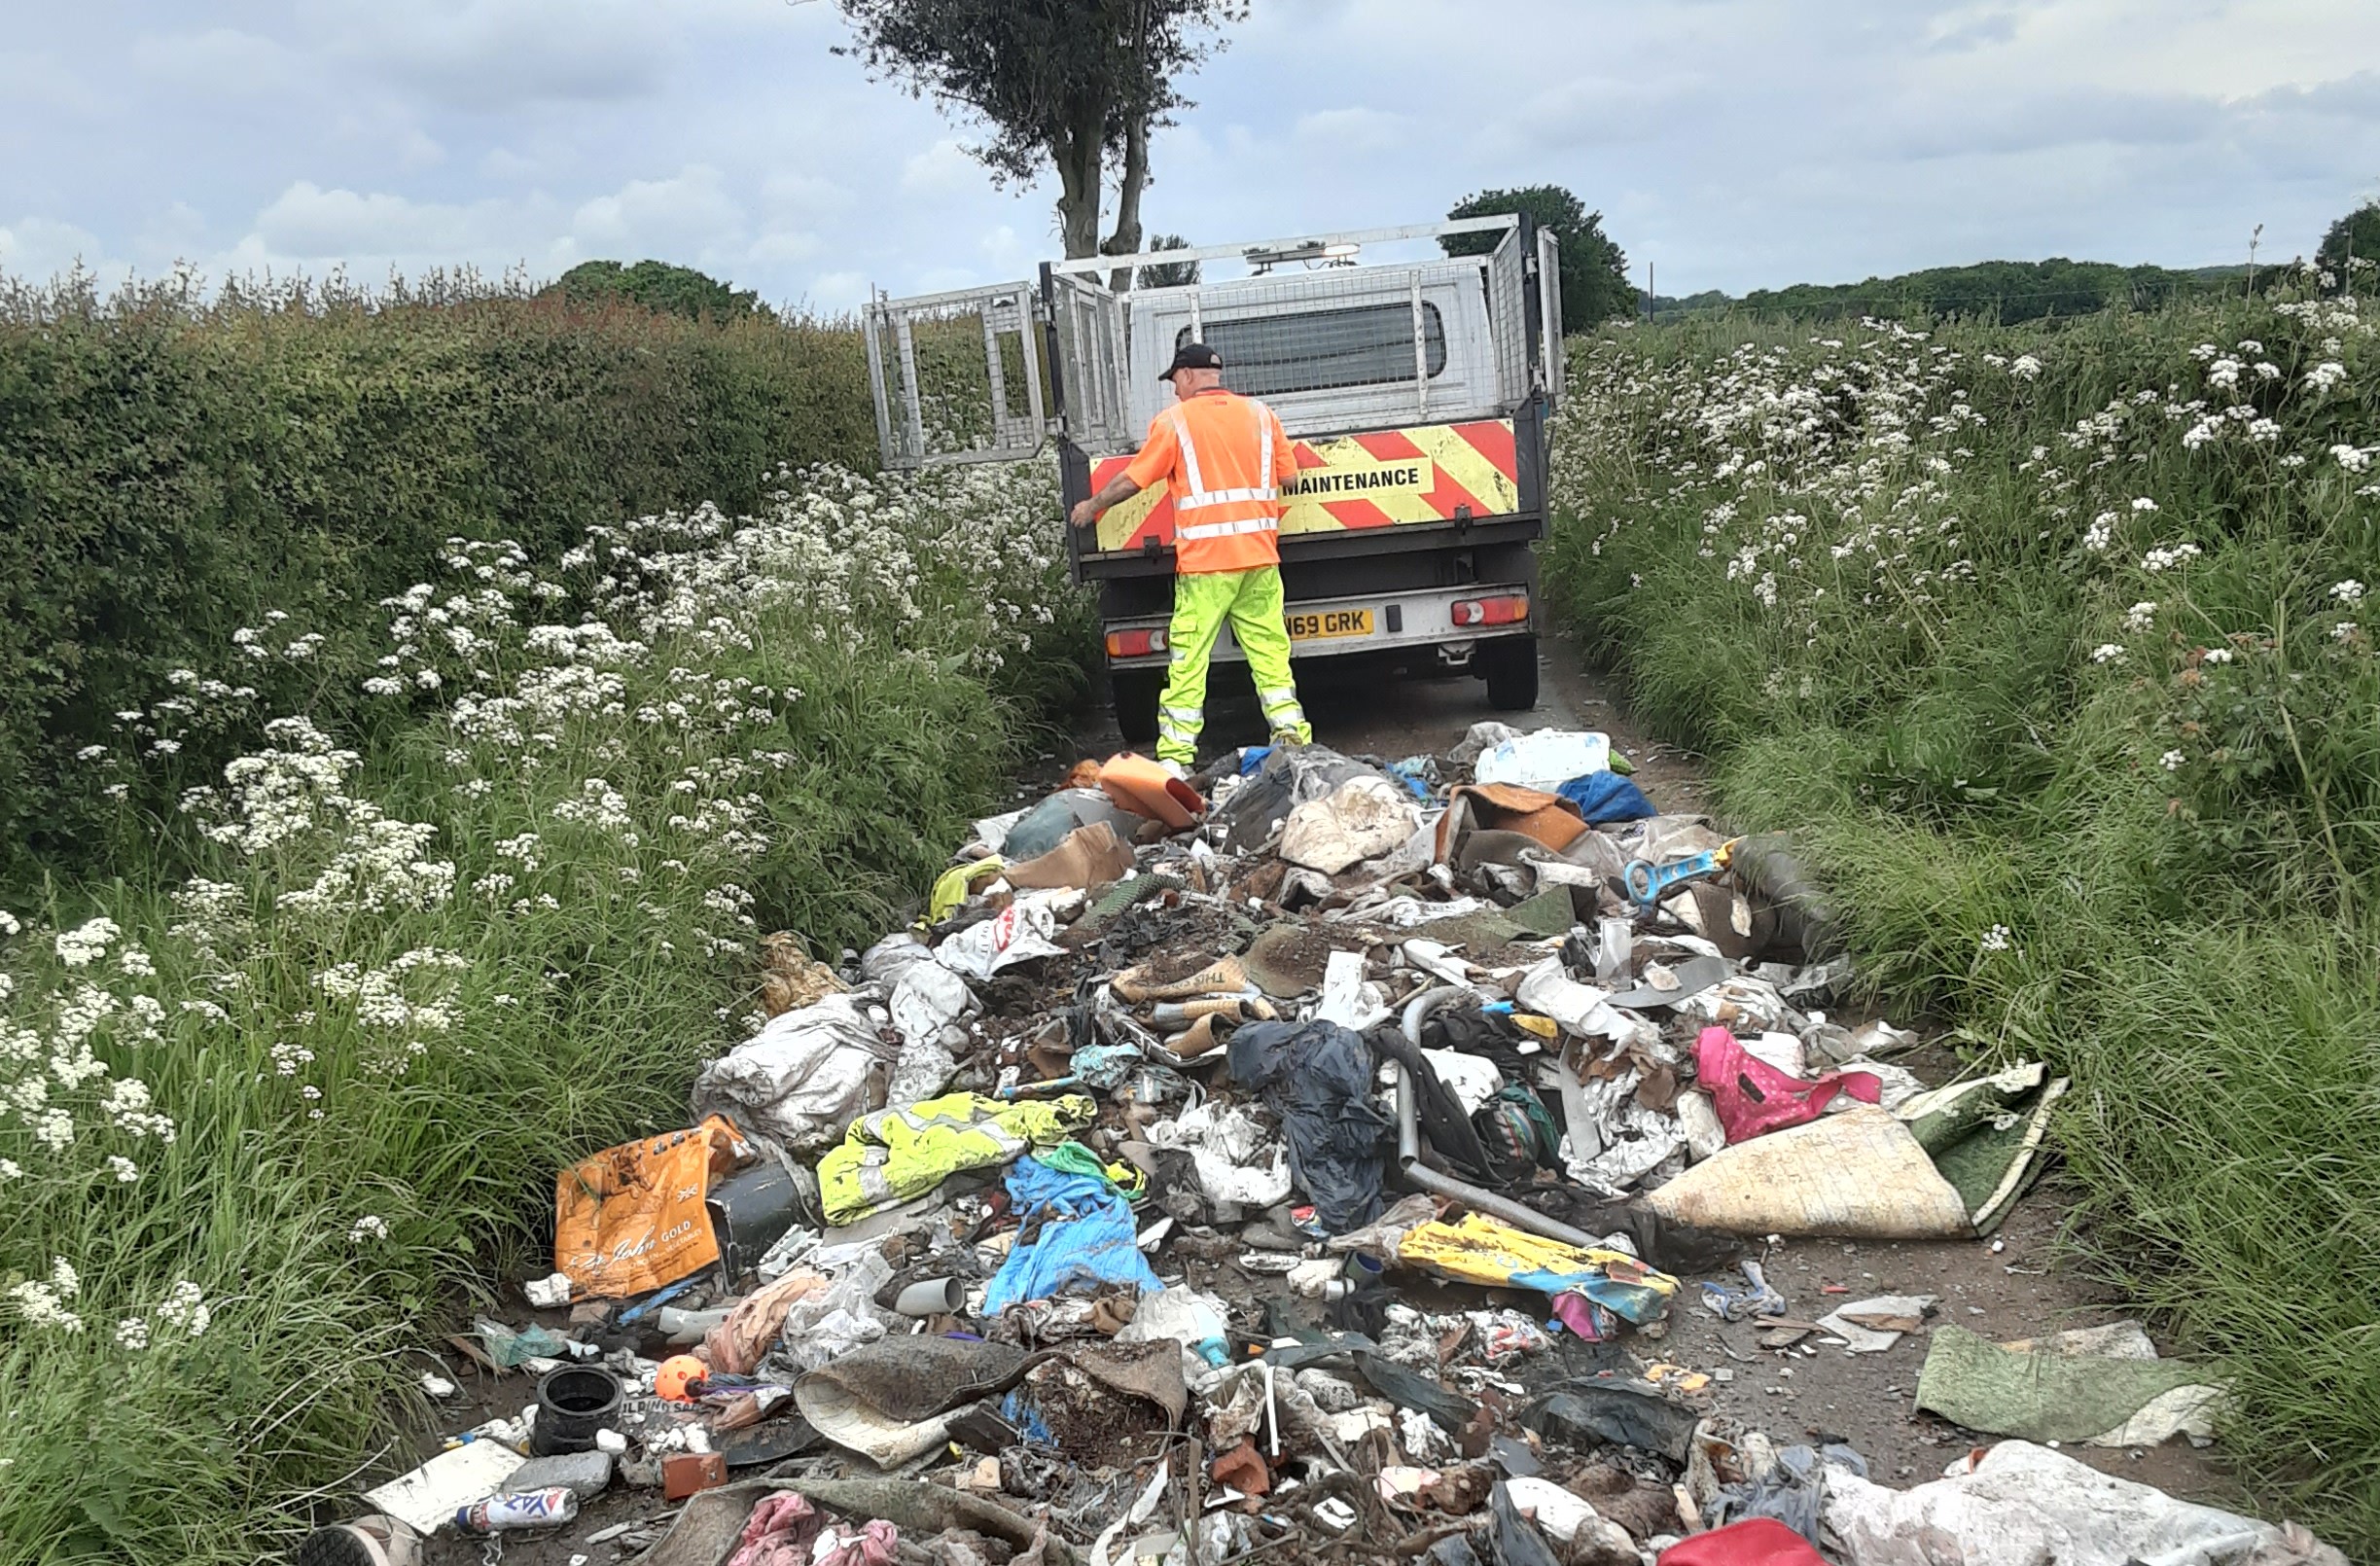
38	248
942	169
494	55
221	62
308	224
691	208
1352	132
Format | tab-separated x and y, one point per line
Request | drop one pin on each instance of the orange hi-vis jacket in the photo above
1221	456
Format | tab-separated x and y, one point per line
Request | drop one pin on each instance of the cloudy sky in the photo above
1732	143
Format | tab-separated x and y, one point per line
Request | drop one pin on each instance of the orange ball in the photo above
671	1380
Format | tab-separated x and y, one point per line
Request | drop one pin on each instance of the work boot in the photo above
1285	739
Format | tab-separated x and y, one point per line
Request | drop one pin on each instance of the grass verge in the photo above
2050	644
257	1123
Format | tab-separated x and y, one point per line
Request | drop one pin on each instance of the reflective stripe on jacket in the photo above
1221	455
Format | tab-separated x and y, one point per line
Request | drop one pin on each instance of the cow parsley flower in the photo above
2141	615
2172	761
2108	653
1998	938
367	1228
2348	591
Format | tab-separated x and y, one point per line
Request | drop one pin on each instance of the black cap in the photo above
1192	356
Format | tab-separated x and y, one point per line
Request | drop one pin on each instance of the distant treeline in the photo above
2006	291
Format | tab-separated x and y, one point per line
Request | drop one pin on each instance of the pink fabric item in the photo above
1583	1316
874	1544
777	1533
785	1530
1753	1098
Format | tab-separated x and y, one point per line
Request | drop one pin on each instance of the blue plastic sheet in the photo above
1085	1238
1603	797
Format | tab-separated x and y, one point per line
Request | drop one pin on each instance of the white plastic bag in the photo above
799	1080
2019	1504
1018	932
1545	760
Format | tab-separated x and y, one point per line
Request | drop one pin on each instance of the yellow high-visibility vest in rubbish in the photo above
1222	457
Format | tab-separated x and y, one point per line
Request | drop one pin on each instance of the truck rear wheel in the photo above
1509	667
1134	693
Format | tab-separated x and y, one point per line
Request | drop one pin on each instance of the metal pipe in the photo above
1410	1166
1417	1010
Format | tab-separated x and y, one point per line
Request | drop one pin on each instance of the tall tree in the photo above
1077	85
1595	284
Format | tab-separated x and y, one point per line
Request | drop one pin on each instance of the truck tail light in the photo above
1508	609
1135	643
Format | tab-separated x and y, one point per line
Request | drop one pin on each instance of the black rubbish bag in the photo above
1317	1077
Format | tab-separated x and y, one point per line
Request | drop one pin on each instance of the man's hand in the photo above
1086	513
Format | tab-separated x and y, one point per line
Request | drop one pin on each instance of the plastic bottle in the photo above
518	1514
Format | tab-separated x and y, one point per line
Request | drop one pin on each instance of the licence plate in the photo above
1310	628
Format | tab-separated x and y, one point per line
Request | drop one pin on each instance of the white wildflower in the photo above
2141	615
2172	761
2348	591
367	1228
2107	652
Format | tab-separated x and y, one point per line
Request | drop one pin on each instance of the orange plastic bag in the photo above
631	1219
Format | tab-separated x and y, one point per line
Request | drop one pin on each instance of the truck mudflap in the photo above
1424	473
1372	622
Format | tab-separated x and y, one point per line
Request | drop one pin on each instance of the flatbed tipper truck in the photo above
1416	392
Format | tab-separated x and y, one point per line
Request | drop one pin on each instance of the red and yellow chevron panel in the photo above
1380	480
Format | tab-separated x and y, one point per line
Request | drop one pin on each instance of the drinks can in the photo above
518	1513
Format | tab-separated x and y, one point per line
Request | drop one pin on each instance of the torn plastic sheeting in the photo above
1362	818
1485	1251
1753	1098
1791	1492
1548	991
928	1002
1636	1140
1317	1077
1223	1145
799	1080
1623	1414
1082	1235
1857	1175
1607	797
2065	1388
2019	1504
1288	779
1544	760
1017	933
1347	999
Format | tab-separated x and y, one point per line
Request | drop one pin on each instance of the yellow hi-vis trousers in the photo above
1251	600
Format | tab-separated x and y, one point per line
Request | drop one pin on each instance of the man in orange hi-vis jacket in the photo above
1222	457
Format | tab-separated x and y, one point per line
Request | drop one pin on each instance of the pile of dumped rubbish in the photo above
1303	1161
